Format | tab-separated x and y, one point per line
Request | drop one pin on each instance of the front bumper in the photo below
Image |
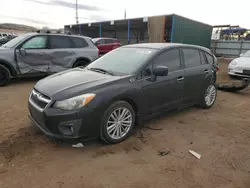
238	72
55	123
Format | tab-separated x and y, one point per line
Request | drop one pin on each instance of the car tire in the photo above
117	130
5	76
80	63
209	96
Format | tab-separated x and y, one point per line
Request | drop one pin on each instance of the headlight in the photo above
75	102
234	62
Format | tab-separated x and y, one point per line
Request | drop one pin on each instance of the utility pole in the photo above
77	12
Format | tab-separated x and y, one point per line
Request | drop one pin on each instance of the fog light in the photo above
66	129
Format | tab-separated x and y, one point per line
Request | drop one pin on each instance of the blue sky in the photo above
57	13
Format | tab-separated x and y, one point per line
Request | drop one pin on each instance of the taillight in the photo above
217	69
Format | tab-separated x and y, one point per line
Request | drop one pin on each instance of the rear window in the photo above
210	59
110	41
57	42
191	58
79	42
203	60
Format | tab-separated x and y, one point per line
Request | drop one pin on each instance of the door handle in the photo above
180	78
206	71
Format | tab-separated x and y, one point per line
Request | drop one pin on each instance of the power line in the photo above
77	12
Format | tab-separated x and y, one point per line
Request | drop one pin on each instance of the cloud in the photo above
67	4
95	18
28	20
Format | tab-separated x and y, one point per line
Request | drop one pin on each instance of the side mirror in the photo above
161	71
22	51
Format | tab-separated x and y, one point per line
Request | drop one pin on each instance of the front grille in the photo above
246	72
37	115
39	99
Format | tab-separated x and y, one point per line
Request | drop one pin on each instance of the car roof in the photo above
160	46
104	38
58	34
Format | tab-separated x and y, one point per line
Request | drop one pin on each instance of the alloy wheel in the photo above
210	95
119	123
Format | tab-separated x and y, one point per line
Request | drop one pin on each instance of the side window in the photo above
210	59
171	59
203	60
38	42
147	71
79	42
191	58
57	42
101	41
109	41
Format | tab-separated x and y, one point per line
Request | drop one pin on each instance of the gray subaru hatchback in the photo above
129	84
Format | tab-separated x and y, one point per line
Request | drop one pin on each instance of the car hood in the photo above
73	82
243	61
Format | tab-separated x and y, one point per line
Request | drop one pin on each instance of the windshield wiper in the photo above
102	71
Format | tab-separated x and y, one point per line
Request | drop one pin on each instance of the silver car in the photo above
35	54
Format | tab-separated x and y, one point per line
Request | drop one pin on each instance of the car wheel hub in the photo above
210	95
119	123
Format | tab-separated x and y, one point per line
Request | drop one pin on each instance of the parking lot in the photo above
221	135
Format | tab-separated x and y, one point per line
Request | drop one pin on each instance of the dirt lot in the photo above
221	135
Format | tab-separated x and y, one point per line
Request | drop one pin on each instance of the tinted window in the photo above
171	59
109	41
38	42
123	60
102	41
203	60
79	42
191	57
59	42
210	59
147	71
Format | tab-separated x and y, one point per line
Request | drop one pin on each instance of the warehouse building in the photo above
165	28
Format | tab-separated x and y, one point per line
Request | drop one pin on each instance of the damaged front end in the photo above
234	86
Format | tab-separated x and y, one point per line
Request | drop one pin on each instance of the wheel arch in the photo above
9	67
81	59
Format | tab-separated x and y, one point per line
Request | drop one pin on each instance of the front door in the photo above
195	74
166	92
33	55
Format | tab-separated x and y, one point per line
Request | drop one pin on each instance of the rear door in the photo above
115	44
196	70
62	53
109	44
33	55
165	93
100	44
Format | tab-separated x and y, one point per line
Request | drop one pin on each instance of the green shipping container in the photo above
188	31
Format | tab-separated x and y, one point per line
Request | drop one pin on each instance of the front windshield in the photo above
247	54
14	41
123	60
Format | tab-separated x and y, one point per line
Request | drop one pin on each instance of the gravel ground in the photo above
221	135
